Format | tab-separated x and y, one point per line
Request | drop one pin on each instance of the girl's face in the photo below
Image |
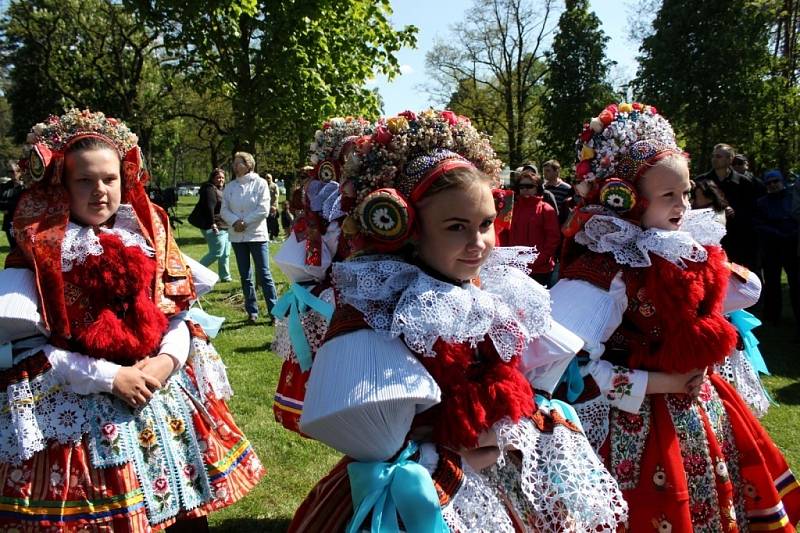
666	188
457	230
94	185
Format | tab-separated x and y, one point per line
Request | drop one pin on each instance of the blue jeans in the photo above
219	249
260	253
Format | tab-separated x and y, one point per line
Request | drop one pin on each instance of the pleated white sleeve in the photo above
88	375
546	357
594	314
363	393
741	294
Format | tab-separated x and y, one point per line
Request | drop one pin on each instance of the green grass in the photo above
295	464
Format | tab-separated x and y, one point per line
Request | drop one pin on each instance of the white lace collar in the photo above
398	298
632	245
81	241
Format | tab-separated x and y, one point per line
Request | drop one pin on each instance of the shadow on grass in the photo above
789	395
247	525
253	349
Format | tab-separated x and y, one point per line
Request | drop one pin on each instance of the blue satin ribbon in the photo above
403	487
566	410
294	304
745	323
209	323
572	377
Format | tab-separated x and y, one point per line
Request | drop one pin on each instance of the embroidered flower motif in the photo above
751	492
660	478
190	471
662	525
625	471
177	426
695	465
109	432
629	422
721	469
620	383
147	438
382	220
67	416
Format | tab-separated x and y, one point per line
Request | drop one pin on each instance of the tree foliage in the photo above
704	66
496	55
576	80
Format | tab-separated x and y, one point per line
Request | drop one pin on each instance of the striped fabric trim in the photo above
786	483
231	461
285	403
20	509
767	519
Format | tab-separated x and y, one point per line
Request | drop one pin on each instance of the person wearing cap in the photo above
777	231
741	191
741	165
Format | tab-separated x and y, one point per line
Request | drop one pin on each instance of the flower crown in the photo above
334	134
57	131
380	159
622	141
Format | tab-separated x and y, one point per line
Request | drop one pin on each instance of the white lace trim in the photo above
81	241
476	507
563	479
209	370
738	371
315	326
631	245
397	298
594	415
325	198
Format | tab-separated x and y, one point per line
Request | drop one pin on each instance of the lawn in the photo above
294	464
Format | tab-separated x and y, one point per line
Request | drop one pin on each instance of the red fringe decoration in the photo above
689	306
129	325
478	390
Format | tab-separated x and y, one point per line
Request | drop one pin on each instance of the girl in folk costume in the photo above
115	415
304	311
423	377
645	285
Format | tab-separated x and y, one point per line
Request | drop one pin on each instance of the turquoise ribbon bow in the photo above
567	411
293	304
745	323
403	487
572	377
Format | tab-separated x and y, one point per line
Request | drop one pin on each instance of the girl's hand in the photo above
134	386
159	367
485	454
686	383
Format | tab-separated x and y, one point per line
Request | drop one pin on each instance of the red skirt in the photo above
700	466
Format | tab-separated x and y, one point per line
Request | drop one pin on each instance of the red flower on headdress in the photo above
409	115
606	116
583	168
363	144
450	117
586	134
326	125
382	135
637	106
613	108
654	110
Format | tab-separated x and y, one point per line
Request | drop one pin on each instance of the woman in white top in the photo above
245	206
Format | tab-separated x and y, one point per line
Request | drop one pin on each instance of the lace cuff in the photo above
623	388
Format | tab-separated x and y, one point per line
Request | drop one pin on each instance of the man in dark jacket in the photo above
777	231
9	196
741	192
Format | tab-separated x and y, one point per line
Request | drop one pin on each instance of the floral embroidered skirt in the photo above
703	466
90	463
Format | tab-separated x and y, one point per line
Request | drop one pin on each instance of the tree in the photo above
498	54
576	81
704	66
283	66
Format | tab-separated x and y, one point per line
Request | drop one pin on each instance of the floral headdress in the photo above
390	168
47	141
615	148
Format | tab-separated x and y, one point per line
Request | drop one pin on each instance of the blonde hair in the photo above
247	158
553	164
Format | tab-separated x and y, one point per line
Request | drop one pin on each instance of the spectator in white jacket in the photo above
245	206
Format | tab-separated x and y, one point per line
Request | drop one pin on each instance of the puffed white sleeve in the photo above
593	314
80	373
742	292
363	393
546	357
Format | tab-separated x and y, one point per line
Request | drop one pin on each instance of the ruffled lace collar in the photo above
398	298
632	245
82	241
